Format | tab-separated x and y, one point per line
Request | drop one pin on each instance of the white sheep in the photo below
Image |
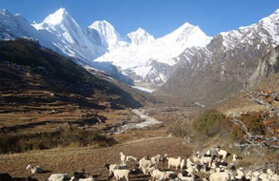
122	158
36	169
182	164
255	176
157	174
175	162
118	174
196	157
144	165
186	178
223	153
220	176
58	177
83	179
131	158
240	173
206	161
112	167
155	159
236	157
189	163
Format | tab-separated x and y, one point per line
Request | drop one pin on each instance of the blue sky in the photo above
158	17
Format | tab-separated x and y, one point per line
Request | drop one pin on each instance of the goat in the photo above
112	167
122	158
58	177
223	153
144	165
118	174
36	169
155	159
219	176
182	164
236	157
131	158
157	174
174	162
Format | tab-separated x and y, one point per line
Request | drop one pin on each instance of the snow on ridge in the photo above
140	36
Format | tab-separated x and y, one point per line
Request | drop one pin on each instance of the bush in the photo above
180	129
210	123
253	121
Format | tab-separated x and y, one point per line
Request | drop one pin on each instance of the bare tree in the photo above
270	141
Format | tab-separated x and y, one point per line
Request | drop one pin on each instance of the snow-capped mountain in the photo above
186	60
140	37
226	64
13	26
110	38
147	60
79	43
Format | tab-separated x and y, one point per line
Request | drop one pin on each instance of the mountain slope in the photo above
225	65
26	66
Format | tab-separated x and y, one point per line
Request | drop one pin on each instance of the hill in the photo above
38	85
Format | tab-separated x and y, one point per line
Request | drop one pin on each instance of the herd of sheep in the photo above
212	163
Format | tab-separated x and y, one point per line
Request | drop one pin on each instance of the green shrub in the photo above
210	123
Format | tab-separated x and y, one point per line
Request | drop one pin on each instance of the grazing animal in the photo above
171	174
164	158
155	159
78	175
224	154
206	161
156	174
36	169
144	165
112	167
135	171
182	164
196	157
131	158
255	176
184	176
5	177
82	179
219	176
122	158
240	174
118	174
175	162
58	177
189	163
236	157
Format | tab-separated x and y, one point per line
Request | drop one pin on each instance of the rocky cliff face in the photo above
267	66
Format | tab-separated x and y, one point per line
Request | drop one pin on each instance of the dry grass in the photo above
93	160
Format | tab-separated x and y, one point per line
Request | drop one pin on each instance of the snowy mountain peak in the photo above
187	35
140	36
109	36
58	17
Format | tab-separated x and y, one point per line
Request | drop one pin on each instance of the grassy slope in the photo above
242	103
43	69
